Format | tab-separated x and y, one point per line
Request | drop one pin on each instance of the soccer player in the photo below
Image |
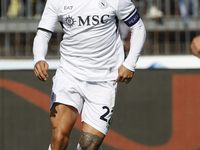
91	64
195	46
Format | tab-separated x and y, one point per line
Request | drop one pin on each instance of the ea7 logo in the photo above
68	7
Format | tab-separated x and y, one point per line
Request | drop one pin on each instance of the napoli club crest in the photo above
103	4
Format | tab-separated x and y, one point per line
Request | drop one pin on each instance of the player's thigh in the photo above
63	118
99	104
65	90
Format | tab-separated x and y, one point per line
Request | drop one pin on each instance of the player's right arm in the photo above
46	27
40	46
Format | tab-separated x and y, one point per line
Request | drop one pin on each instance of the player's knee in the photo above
60	138
87	144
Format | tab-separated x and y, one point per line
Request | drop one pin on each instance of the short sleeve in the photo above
127	12
49	17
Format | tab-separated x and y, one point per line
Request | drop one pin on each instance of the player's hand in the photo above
41	69
195	46
125	75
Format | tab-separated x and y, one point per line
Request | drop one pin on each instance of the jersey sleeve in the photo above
138	36
40	45
49	18
127	12
129	15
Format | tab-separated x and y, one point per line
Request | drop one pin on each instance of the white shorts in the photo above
96	100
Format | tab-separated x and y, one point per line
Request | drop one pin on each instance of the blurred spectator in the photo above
193	7
24	8
183	11
188	7
17	8
13	9
154	13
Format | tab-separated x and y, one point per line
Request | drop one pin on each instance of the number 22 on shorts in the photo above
104	116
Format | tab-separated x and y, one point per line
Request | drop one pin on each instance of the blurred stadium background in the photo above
169	30
158	110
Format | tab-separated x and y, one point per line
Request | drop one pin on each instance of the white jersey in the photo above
91	48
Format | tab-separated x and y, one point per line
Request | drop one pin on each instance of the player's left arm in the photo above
138	36
46	27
